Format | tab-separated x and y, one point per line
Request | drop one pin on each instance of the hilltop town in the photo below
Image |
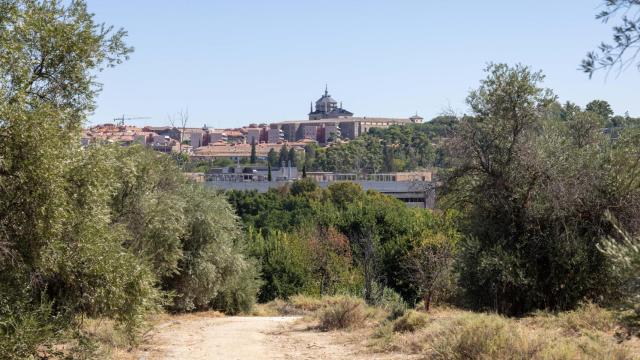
326	124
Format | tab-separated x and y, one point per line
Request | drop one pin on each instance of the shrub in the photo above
346	313
484	337
587	318
308	303
24	328
392	302
585	347
410	321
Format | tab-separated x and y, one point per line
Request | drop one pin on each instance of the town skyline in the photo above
390	61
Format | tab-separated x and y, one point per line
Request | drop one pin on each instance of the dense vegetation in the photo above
98	232
533	190
539	208
397	148
339	240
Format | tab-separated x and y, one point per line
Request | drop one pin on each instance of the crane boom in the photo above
121	120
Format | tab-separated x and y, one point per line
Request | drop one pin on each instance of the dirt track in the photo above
255	338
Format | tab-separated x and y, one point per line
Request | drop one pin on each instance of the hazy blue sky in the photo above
236	62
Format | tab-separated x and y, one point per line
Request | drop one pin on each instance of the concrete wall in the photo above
407	191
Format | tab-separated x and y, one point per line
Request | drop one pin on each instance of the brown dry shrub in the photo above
346	313
410	321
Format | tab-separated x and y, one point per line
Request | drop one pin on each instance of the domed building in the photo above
327	108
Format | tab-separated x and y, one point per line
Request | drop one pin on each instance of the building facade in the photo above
330	121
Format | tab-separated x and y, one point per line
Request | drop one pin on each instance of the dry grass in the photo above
347	313
586	333
298	305
98	339
410	321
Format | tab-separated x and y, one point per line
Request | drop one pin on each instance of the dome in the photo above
326	99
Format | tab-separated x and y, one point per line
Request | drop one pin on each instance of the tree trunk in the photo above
427	301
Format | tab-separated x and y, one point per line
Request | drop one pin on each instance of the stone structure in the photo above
327	108
329	122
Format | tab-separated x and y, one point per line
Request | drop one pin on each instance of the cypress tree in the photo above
254	158
284	156
269	172
292	156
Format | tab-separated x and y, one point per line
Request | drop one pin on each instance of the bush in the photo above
346	313
485	337
24	328
392	302
308	303
482	336
585	319
410	321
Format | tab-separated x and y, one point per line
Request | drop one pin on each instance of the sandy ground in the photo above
256	338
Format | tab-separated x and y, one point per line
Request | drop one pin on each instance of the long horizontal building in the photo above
329	122
415	189
234	152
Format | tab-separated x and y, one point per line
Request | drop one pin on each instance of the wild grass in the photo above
346	313
588	332
410	321
585	333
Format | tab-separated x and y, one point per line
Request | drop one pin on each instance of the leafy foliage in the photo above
101	231
626	38
339	240
533	191
397	148
624	252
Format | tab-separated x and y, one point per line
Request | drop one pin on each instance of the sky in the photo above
236	62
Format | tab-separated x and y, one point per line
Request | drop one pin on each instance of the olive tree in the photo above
533	191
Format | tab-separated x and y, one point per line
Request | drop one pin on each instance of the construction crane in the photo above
121	120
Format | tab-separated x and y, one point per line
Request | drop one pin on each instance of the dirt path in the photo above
255	338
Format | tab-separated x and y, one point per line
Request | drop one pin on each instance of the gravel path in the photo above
255	338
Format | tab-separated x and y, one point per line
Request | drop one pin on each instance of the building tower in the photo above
327	108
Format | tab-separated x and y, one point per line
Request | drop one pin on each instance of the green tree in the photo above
283	157
54	203
272	157
253	157
529	243
293	157
269	178
623	249
430	267
601	108
213	271
286	264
